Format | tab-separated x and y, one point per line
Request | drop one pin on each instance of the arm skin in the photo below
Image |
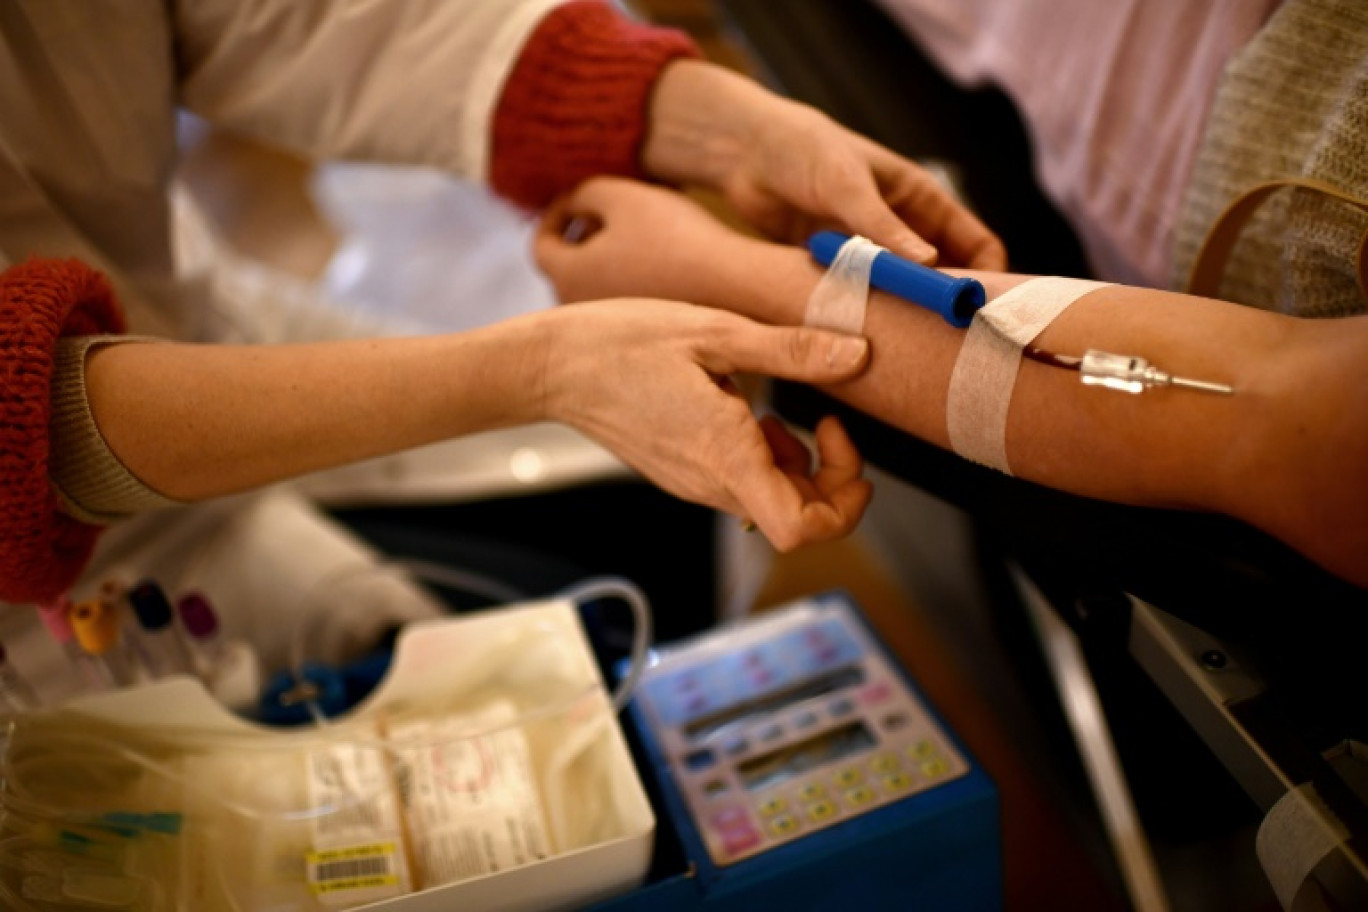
644	378
1286	453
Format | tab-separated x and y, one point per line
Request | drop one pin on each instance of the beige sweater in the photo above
1292	103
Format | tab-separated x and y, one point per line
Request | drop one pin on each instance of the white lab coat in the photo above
89	94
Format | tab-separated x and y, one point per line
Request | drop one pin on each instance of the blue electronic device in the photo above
955	299
802	770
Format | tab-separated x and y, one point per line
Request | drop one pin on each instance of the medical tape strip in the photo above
841	297
1294	838
985	373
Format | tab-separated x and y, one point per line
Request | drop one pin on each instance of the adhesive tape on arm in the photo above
841	297
985	373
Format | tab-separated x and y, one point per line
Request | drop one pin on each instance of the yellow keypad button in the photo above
848	777
812	791
820	810
885	763
921	749
773	806
896	782
860	794
933	768
783	825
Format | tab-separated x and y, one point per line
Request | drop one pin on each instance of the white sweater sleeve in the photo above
405	81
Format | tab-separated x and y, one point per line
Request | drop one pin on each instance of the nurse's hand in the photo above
790	170
649	380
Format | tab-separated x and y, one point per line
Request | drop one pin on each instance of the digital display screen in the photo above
796	759
816	687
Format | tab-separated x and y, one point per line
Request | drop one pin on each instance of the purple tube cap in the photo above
197	615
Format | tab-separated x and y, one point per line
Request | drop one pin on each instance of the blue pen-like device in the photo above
955	299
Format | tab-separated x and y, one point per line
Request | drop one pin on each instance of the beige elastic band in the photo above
840	299
985	373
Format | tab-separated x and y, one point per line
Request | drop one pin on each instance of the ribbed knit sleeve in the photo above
576	102
42	550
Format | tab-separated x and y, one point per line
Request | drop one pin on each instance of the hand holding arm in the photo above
788	169
644	378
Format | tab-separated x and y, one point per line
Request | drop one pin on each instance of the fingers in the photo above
787	352
790	455
862	207
961	238
793	509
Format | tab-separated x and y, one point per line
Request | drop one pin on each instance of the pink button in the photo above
876	693
734	842
731	817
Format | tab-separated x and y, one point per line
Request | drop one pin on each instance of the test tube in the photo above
56	617
96	625
201	625
15	692
161	644
230	668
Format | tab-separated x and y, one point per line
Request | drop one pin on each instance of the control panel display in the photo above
787	724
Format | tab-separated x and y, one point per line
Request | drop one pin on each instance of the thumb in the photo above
786	352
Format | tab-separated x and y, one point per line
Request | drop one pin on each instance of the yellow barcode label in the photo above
352	868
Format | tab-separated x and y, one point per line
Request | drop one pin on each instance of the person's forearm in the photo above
194	422
1285	452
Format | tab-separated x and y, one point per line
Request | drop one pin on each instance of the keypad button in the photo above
885	763
896	782
933	768
733	746
821	810
848	777
921	749
812	791
895	721
772	807
700	760
771	733
734	842
841	707
731	817
783	825
860	794
876	693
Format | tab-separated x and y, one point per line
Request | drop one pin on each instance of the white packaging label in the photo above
357	852
472	804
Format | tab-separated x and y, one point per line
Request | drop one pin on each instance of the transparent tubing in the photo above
17	799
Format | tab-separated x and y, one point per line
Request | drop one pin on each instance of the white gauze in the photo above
841	297
985	373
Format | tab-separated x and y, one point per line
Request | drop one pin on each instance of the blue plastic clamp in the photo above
955	299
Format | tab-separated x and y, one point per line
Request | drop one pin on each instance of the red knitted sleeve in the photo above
575	104
42	550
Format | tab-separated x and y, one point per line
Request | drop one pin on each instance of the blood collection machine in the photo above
801	769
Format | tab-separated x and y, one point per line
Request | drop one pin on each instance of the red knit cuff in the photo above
576	102
42	550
